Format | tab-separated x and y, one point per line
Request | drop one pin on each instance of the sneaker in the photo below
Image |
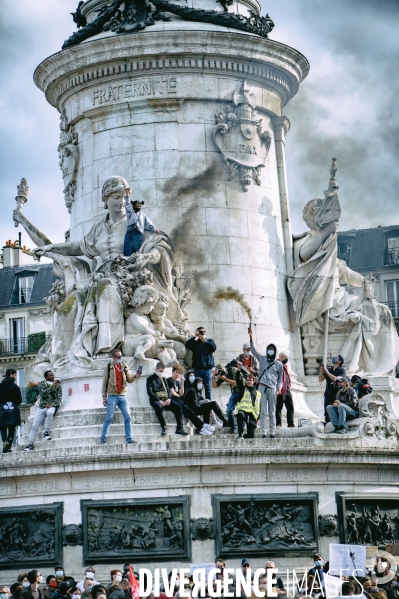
29	447
131	441
46	436
181	431
210	427
163	432
264	436
272	436
217	424
342	431
239	437
103	441
205	431
6	447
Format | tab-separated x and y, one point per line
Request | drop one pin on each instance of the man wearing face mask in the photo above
270	383
318	567
89	575
203	360
62	577
285	397
52	585
160	400
193	399
116	376
116	577
33	591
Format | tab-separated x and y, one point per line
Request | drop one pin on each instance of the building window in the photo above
344	250
22	289
392	293
17	341
393	250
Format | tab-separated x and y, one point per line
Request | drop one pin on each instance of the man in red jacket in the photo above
285	397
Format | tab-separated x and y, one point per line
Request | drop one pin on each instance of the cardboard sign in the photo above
207	567
345	559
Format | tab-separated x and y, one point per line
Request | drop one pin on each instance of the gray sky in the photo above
347	108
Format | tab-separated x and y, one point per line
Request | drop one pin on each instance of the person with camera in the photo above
345	406
50	397
227	375
248	405
161	399
270	383
203	360
330	375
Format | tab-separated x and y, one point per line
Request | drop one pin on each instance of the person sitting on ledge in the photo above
193	399
248	406
344	407
160	400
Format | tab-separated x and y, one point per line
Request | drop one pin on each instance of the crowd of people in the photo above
380	582
260	387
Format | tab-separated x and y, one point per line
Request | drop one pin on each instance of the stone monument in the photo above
182	105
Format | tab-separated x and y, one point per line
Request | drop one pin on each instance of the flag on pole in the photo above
134	584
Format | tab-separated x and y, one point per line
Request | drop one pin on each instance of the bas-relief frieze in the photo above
129	479
153	86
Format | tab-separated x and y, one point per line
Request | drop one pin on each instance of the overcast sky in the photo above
347	108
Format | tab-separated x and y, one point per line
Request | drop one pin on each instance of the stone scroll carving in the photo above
131	16
202	529
68	151
239	138
139	530
253	524
360	329
368	519
30	535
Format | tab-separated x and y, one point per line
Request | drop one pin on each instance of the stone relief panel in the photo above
239	138
141	530
252	524
368	519
31	535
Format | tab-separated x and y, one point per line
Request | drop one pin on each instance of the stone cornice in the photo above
276	65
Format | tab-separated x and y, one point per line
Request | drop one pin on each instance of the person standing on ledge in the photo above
137	223
115	379
10	400
203	361
50	397
330	375
270	383
285	397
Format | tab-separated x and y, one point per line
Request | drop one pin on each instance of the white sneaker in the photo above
209	427
217	424
205	431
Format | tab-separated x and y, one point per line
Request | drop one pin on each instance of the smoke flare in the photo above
229	293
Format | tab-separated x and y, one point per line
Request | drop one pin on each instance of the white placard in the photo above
332	586
345	559
206	567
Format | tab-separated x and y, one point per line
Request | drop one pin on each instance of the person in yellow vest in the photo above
248	406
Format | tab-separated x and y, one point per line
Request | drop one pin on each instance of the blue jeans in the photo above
233	401
206	376
133	241
338	416
113	402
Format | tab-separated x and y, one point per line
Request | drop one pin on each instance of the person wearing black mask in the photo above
193	399
330	375
161	399
10	400
270	382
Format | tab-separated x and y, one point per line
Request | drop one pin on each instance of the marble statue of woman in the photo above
90	319
372	343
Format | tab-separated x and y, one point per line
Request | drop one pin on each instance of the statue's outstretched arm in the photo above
34	233
70	248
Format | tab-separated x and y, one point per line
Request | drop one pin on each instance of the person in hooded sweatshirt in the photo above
10	400
270	383
194	396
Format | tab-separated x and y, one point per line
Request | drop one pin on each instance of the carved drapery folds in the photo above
239	138
252	524
141	530
130	16
30	535
368	519
68	152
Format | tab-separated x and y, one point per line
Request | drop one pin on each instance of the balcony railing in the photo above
22	345
392	256
394	307
21	295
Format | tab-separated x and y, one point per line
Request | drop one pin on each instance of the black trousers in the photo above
7	433
174	407
188	413
206	408
328	401
287	401
248	419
